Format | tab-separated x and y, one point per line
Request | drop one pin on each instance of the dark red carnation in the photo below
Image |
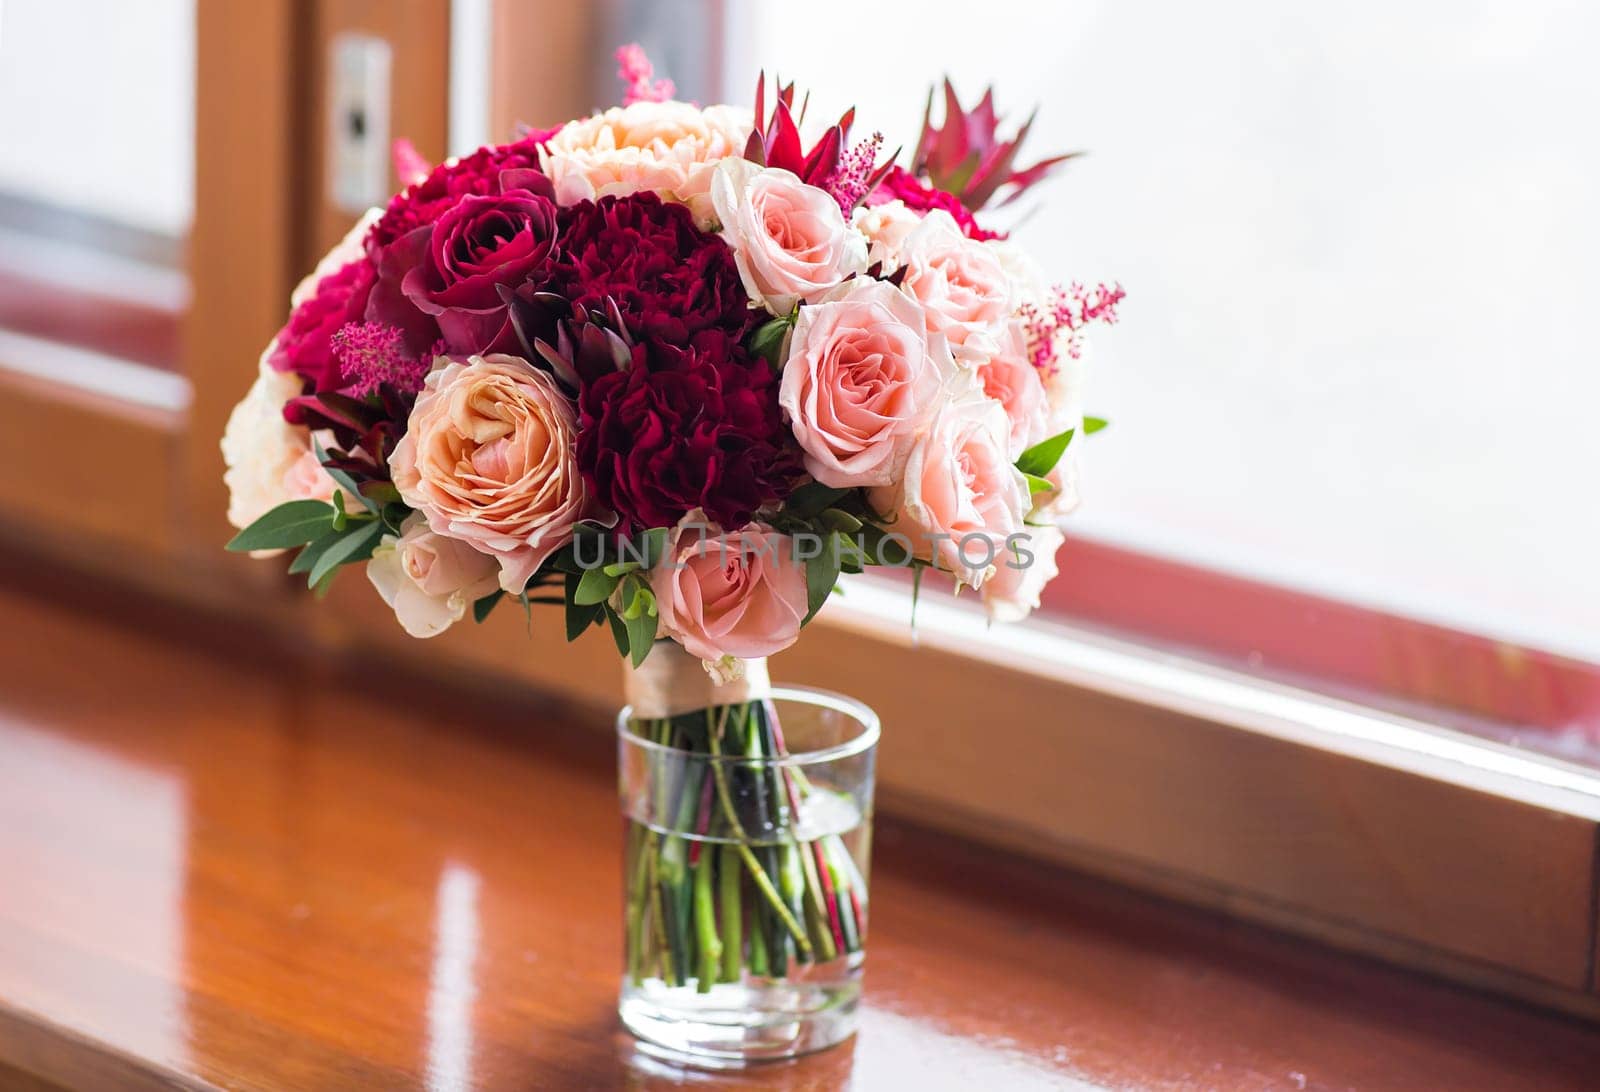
422	202
304	344
669	279
922	197
684	428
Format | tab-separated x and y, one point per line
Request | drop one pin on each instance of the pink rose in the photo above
1012	592
790	239
741	594
428	579
959	282
1010	378
862	378
488	457
961	500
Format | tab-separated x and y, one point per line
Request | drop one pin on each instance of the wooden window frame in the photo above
1379	833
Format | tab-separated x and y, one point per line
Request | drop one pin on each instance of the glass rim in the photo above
860	712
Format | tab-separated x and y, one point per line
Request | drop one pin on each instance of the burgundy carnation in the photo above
304	344
669	279
422	202
922	197
685	428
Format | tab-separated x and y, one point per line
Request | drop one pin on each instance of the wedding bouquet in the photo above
673	370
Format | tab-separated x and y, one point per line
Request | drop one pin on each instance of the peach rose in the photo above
269	461
428	579
669	148
862	378
960	283
790	240
1012	592
741	594
1010	378
960	500
488	457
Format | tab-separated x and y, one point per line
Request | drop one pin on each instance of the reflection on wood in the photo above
425	893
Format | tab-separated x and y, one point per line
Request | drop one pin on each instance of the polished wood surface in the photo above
220	866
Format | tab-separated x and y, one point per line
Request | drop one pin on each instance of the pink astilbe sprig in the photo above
853	178
1069	311
372	354
635	70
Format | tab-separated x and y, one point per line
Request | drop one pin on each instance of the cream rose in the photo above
1012	592
741	594
269	461
960	500
789	239
885	227
668	148
488	457
428	579
960	283
862	378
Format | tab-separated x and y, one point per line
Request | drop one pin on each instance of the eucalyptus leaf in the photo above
356	545
641	635
822	573
594	586
294	523
307	557
1043	456
482	607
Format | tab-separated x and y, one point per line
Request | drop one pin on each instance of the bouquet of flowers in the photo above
673	370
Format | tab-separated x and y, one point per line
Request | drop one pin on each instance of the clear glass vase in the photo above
747	816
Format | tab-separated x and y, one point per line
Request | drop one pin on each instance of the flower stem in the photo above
732	912
705	927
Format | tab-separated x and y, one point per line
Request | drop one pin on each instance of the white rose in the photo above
789	239
1013	590
668	148
269	461
885	227
428	579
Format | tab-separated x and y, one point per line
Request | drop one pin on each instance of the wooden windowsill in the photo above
224	867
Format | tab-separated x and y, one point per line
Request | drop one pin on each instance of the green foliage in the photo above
292	524
768	340
1043	456
1092	425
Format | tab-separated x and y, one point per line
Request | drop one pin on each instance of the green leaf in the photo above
1092	425
356	545
641	635
837	519
1037	484
594	586
822	573
482	607
619	630
292	524
341	518
308	555
1043	456
813	498
653	546
767	341
346	482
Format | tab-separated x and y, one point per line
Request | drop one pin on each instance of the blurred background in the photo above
1350	397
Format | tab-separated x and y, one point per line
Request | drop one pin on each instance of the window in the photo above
1350	392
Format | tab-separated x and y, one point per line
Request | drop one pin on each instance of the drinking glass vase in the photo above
747	815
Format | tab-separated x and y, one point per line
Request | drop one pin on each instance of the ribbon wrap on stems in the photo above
672	681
